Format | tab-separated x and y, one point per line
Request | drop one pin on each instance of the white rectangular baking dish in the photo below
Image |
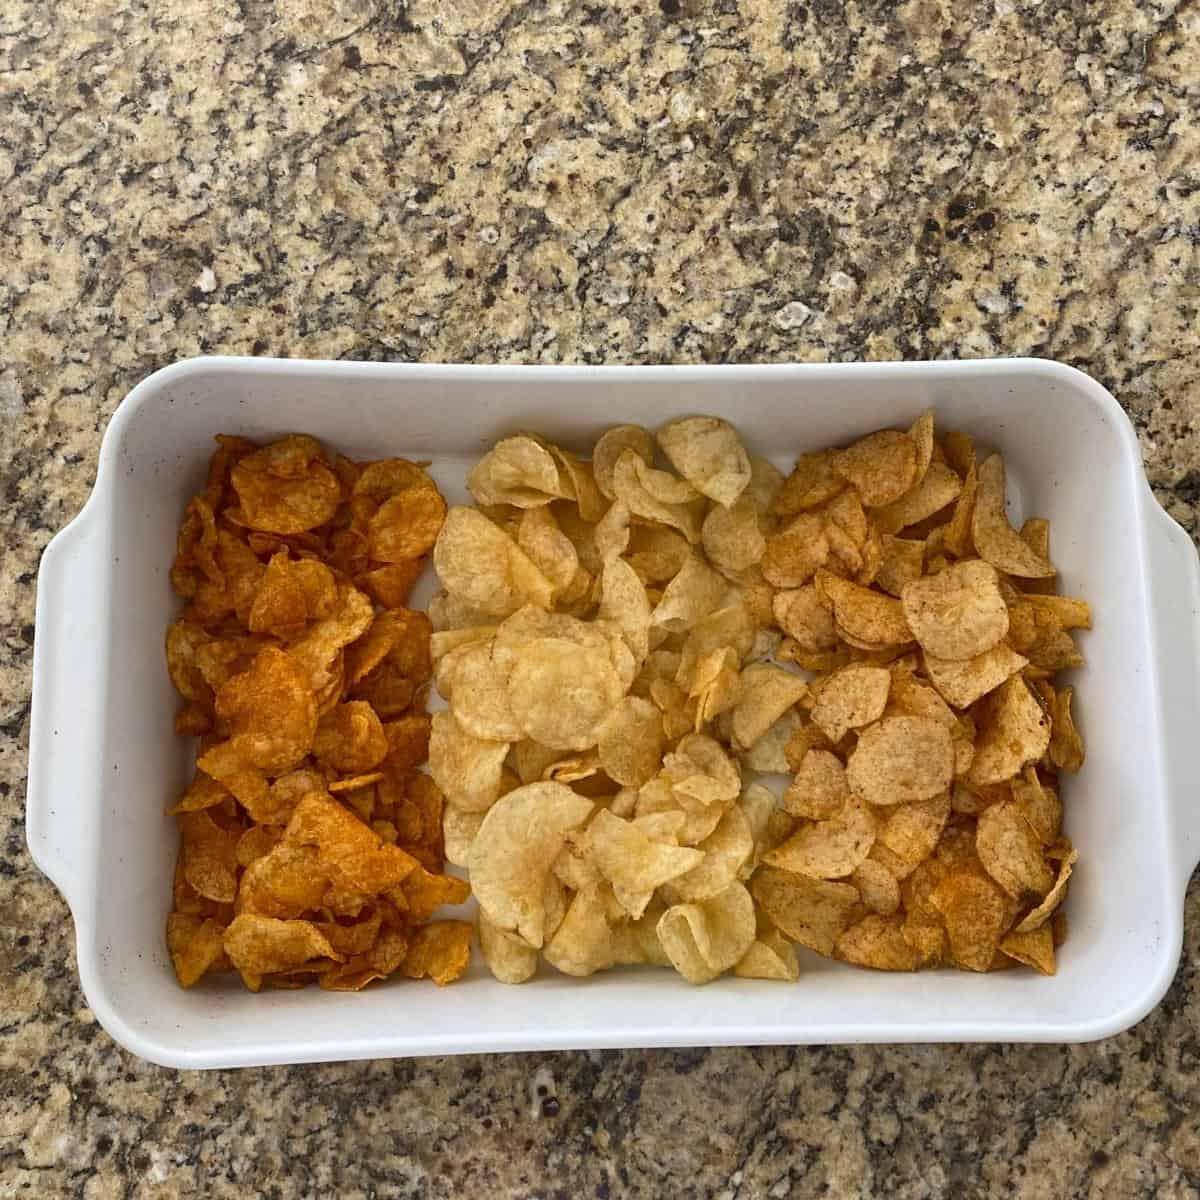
104	763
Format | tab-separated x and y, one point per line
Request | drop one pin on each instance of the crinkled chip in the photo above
694	593
350	737
709	454
705	938
196	944
270	711
771	956
1014	730
548	548
994	538
583	943
900	759
209	856
629	482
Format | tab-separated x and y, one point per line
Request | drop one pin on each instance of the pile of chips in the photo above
627	645
311	844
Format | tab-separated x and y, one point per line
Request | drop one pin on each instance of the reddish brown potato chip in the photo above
209	856
259	946
795	553
391	584
425	892
439	951
270	711
286	487
406	525
350	737
911	831
285	883
811	483
863	617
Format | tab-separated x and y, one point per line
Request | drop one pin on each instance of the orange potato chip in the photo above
425	892
405	526
974	912
286	882
794	554
869	618
350	737
196	945
209	856
995	539
286	487
882	466
391	584
811	483
1042	913
1034	949
259	946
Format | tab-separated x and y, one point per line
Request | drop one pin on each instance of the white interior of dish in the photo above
1070	459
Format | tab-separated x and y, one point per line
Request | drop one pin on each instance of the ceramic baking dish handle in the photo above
66	733
1175	584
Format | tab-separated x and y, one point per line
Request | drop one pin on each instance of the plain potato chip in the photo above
901	759
630	477
813	912
708	453
609	449
994	538
732	537
769	754
878	942
631	742
959	613
519	471
963	681
829	849
513	850
1014	730
1011	852
477	687
633	862
724	852
623	601
583	943
705	938
548	548
700	768
467	768
508	958
882	466
771	956
459	829
849	699
766	693
1066	746
694	593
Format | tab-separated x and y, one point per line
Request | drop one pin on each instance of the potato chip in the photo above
911	831
284	883
610	448
1011	852
286	487
623	601
794	554
478	689
631	742
901	759
1039	805
731	627
849	699
350	737
973	909
959	613
700	768
511	855
882	466
1066	746
694	593
548	548
508	958
901	562
829	849
878	942
819	790
634	863
878	887
391	584
705	938
316	653
259	946
406	525
465	767
716	685
767	692
1013	730
1037	634
708	453
724	853
424	892
629	483
995	539
439	951
813	912
732	537
209	856
583	942
811	483
519	471
939	487
408	740
1034	949
1038	916
962	682
770	956
196	945
768	755
863	617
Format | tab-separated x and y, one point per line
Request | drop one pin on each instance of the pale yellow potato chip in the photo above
732	537
628	483
1036	918
994	538
609	449
660	827
1066	745
519	471
449	612
478	690
574	768
699	767
813	912
623	600
911	831
724	852
766	693
631	742
901	759
757	803
512	853
699	820
849	699
548	548
708	453
882	466
705	938
963	681
803	616
484	567
878	941
583	944
769	754
940	487
611	536
458	831
665	487
828	849
863	617
694	593
819	790
579	480
1035	949
1014	730
657	553
633	862
796	552
716	685
508	958
878	887
466	768
959	613
730	627
1011	852
771	956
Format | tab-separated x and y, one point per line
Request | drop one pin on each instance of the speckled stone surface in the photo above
666	180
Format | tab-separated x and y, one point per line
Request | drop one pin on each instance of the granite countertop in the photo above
562	181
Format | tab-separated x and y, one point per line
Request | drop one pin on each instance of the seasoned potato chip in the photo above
819	790
813	912
406	525
1039	805
350	737
974	912
911	831
519	471
878	887
829	849
286	487
708	453
270	711
882	466
283	883
209	856
769	753
901	759
631	742
1066	746
634	863
705	938
939	488
901	562
467	768
1037	917
794	554
196	945
259	946
513	850
1013	730
849	699
878	942
439	951
802	615
869	618
811	483
959	613
1010	851
962	682
1034	949
995	539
